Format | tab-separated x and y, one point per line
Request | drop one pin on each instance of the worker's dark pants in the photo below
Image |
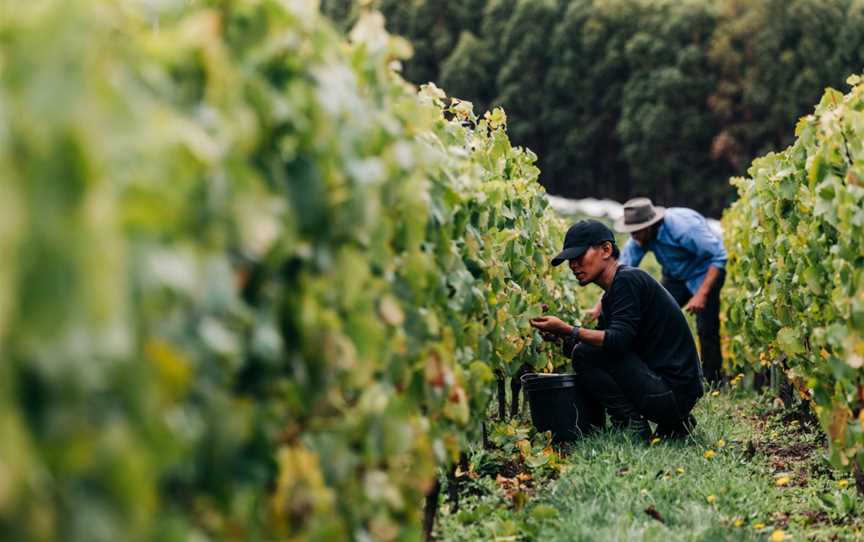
628	389
707	324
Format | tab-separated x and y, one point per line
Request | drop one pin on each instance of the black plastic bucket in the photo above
557	406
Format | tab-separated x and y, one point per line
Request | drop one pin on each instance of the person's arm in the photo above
594	337
704	244
699	300
631	254
554	326
594	312
617	337
622	321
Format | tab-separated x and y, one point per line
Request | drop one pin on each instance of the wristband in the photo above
571	341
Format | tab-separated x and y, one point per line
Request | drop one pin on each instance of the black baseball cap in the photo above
581	236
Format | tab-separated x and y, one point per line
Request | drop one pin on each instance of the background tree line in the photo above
666	98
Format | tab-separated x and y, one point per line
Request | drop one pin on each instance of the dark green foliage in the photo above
665	129
433	26
524	60
624	97
342	12
774	59
584	86
470	71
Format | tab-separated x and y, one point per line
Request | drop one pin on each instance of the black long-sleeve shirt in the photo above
639	315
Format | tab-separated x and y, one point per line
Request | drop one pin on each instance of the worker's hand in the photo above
551	324
696	304
593	313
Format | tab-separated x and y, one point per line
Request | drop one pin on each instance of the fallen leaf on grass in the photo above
651	511
514	490
505	482
469	473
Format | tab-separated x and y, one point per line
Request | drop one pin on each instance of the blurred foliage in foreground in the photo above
253	286
664	98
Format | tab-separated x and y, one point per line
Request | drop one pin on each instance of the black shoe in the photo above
680	429
637	427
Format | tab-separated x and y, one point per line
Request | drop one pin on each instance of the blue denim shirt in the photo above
685	247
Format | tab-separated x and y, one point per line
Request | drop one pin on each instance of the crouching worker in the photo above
641	362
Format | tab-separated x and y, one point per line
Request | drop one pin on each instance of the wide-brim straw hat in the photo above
639	213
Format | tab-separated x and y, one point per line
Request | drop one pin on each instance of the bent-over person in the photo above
693	260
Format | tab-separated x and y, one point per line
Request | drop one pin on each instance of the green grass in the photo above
605	484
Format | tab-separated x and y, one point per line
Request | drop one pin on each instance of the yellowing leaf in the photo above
456	408
431	92
789	341
173	367
390	311
301	483
437	374
855	358
496	118
462	108
814	281
839	418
